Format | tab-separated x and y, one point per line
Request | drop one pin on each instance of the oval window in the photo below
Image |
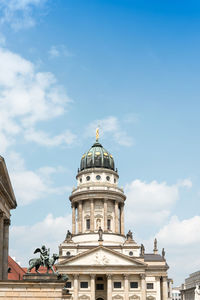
88	178
98	177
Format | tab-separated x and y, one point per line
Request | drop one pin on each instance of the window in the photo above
99	278
109	224
131	253
99	287
88	224
68	253
68	285
150	286
98	177
88	178
108	178
80	180
134	285
117	285
84	285
115	180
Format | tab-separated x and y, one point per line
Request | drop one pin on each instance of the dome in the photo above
97	157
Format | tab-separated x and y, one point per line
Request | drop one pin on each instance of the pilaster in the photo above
164	288
92	286
126	287
143	286
158	288
116	217
105	214
76	286
92	214
109	286
80	210
73	218
5	248
122	218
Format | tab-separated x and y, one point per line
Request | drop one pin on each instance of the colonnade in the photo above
4	243
77	216
126	292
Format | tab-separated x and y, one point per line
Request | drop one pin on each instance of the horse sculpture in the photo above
37	262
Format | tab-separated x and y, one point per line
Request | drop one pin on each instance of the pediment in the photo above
101	256
5	184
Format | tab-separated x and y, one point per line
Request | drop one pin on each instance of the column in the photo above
164	288
80	208
158	296
126	287
92	287
1	245
92	214
109	286
76	286
122	218
73	219
143	286
105	214
5	248
116	217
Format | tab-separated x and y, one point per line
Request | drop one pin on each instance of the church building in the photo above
102	262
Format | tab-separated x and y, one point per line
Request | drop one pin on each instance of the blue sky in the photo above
130	66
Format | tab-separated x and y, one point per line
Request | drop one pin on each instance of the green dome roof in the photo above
97	157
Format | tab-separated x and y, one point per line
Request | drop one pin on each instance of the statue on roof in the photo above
163	252
129	235
68	236
43	260
97	134
142	250
100	232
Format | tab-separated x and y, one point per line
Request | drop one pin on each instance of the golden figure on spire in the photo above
97	134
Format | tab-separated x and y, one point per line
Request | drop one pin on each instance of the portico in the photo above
7	202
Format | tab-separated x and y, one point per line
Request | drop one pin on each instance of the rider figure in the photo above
44	255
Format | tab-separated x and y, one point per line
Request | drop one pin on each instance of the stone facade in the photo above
7	202
188	288
114	267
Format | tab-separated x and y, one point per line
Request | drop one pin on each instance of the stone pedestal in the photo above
40	277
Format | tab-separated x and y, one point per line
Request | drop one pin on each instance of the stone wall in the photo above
24	290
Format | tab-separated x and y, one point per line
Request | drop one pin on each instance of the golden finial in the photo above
97	134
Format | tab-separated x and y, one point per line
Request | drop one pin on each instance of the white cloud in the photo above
43	138
30	186
151	203
19	13
181	233
26	98
110	126
25	239
181	239
59	50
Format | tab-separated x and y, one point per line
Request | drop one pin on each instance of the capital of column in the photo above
1	214
164	278
142	276
126	276
157	277
7	222
76	276
92	276
109	276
